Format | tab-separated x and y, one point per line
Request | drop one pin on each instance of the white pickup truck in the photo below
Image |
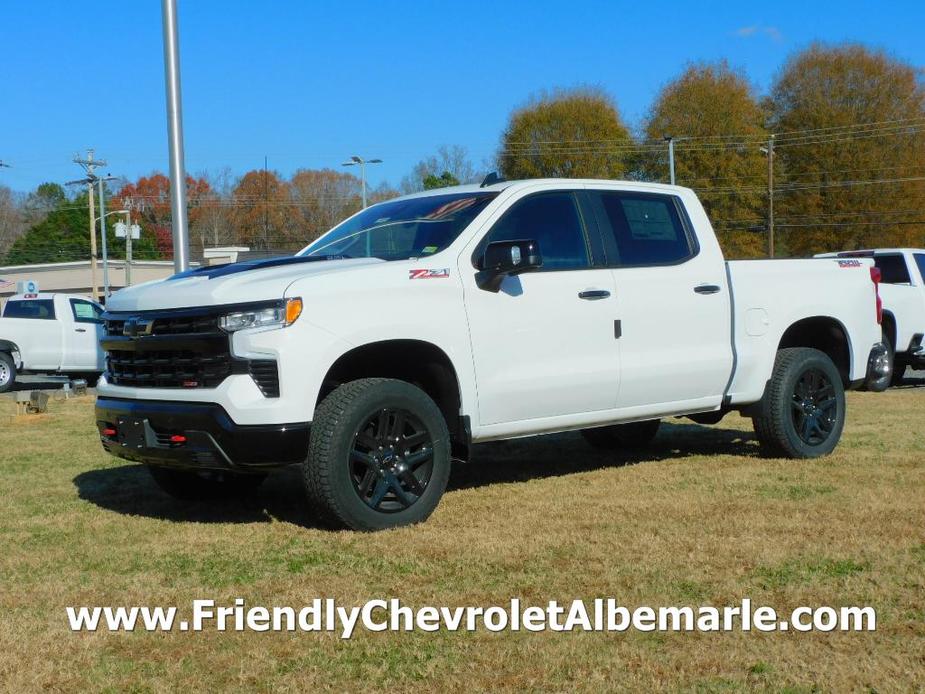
428	323
902	289
50	333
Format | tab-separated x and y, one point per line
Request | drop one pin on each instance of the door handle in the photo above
707	288
80	330
593	294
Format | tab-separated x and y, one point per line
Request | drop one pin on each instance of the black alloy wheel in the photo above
391	460
814	407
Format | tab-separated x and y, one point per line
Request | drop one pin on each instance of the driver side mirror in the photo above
503	258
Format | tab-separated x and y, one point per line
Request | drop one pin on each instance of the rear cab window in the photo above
642	229
39	309
893	269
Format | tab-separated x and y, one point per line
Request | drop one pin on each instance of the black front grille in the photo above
183	348
168	368
171	325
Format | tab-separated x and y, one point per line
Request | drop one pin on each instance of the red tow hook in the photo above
109	432
178	438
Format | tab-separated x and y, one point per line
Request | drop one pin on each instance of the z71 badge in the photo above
428	274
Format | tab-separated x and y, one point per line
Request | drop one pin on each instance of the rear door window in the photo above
642	229
41	309
893	269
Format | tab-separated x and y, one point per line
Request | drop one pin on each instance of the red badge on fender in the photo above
428	274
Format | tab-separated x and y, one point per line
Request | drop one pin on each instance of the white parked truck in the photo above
902	289
50	334
426	324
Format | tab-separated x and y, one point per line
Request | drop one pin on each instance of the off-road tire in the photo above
629	437
199	485
328	470
775	423
8	369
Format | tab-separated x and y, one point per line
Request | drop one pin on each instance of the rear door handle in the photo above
593	294
707	288
80	330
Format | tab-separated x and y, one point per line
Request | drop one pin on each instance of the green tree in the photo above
717	121
575	133
861	115
444	180
63	236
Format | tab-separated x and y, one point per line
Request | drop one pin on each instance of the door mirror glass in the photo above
503	258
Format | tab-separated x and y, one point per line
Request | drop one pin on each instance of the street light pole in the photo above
99	182
670	141
769	151
354	161
175	136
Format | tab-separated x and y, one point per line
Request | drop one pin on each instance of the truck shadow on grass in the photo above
129	489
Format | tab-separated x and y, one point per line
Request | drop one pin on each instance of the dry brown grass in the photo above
702	518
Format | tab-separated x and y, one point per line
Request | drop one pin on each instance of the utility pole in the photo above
354	161
769	151
266	205
128	243
89	164
670	140
175	136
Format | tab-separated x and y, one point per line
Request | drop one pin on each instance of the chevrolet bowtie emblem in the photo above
135	327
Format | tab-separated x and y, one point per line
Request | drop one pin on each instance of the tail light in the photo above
875	278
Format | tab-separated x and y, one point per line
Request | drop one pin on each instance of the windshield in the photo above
402	229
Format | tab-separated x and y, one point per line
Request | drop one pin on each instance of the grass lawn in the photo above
700	519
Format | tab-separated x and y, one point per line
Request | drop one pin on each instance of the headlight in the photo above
278	316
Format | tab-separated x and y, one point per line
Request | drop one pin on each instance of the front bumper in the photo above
195	435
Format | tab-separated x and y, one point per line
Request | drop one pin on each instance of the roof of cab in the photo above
498	186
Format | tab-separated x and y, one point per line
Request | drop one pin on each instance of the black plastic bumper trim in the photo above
213	440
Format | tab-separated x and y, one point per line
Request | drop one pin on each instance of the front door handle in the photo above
80	330
707	288
593	294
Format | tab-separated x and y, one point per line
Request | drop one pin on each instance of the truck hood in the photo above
254	280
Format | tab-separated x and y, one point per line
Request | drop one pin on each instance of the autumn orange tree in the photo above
574	133
149	200
849	121
715	117
262	213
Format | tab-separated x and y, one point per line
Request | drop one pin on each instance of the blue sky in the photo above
310	83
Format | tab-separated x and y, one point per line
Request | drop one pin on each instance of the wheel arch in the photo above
414	361
9	347
825	333
889	328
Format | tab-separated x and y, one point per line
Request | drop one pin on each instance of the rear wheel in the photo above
802	413
622	436
379	455
7	372
889	361
194	485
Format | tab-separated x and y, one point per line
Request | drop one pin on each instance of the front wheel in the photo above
802	413
379	455
7	372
